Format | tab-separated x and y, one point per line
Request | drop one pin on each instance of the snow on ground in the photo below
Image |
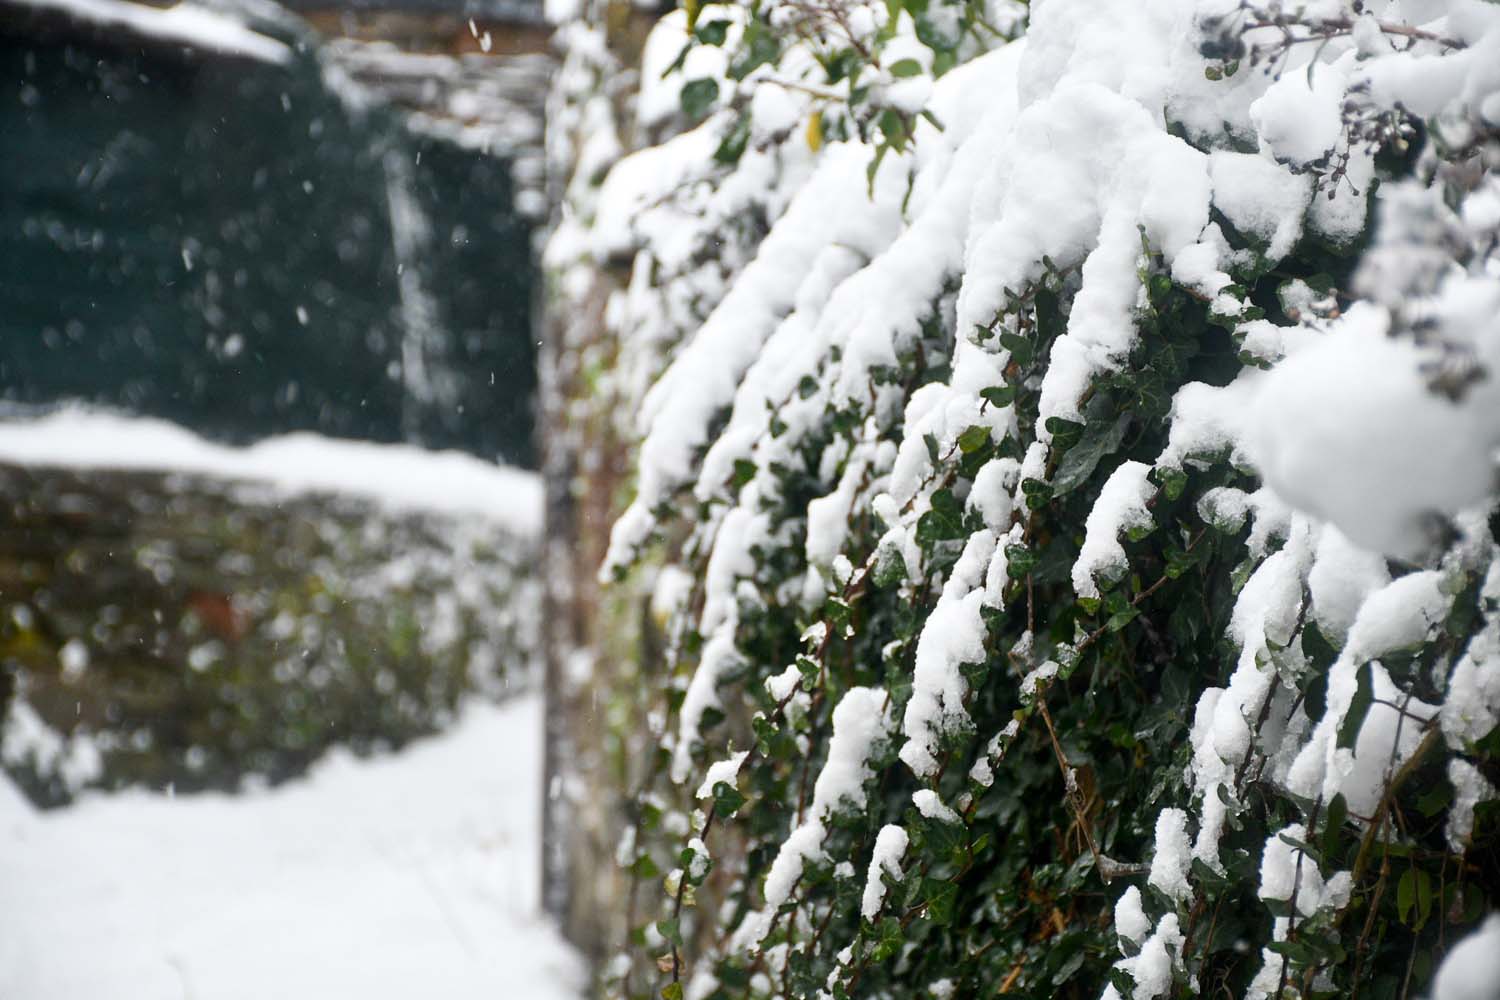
407	876
394	475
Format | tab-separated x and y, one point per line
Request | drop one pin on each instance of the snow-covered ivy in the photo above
1067	463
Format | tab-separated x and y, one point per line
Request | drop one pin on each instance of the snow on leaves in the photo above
1070	400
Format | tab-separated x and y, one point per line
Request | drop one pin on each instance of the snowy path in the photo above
409	876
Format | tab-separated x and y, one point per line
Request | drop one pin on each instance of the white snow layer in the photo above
186	24
396	476
1349	430
890	845
404	876
860	720
1471	969
1121	507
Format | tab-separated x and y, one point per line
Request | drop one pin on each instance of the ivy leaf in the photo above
727	799
1406	896
1333	825
1070	965
837	610
941	897
1319	651
1080	460
712	32
1173	482
1019	560
1298	950
734	143
943	522
1359	707
973	438
1037	493
1434	800
935	32
1424	897
890	567
894	127
698	97
744	471
999	395
1018	346
874	167
760	47
1179	561
890	942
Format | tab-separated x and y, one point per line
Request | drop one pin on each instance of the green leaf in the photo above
1160	286
698	97
1179	561
1424	897
1359	707
727	799
943	522
895	128
744	471
1019	560
1322	283
903	68
1037	493
874	167
1018	346
667	928
890	567
941	897
1434	800
1315	695
1301	845
1333	825
973	438
890	941
1406	896
1080	460
837	610
999	395
1173	482
1298	950
671	991
760	46
712	32
1315	646
734	143
934	32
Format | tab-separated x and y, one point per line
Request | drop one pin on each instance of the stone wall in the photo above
169	630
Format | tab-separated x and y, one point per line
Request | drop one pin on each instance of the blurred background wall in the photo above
250	221
331	242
